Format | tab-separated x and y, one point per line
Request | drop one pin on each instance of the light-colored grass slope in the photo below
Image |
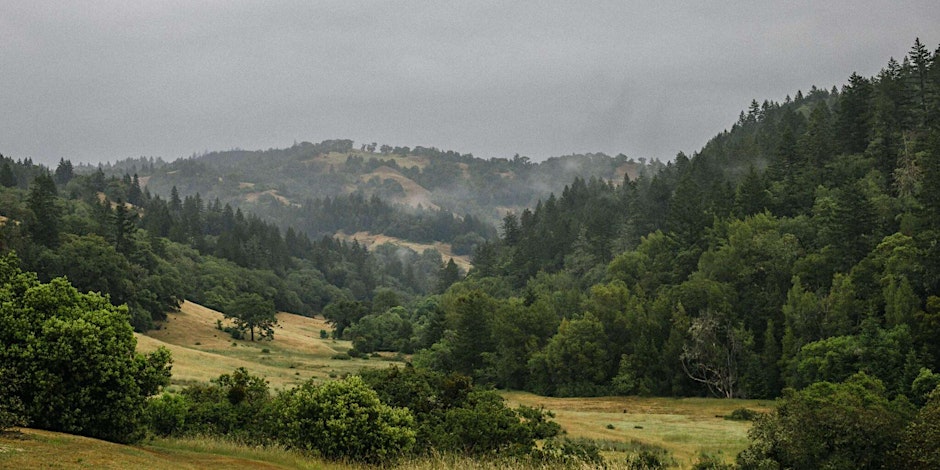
372	240
337	159
202	352
36	449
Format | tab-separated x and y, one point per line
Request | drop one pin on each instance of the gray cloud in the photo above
103	80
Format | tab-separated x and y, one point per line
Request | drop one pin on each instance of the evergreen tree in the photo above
448	275
853	125
43	225
64	172
7	178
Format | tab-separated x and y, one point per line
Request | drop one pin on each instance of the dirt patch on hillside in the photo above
415	194
253	197
371	240
630	170
338	159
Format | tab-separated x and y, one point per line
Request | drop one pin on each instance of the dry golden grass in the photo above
30	448
253	197
627	169
686	427
371	240
415	194
202	352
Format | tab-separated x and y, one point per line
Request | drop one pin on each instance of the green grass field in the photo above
685	428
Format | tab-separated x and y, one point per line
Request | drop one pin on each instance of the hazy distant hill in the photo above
276	183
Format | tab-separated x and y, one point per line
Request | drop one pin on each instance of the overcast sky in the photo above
105	80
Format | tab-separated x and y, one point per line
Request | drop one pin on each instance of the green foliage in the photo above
43	226
649	459
11	406
74	357
451	416
710	462
569	453
574	362
920	445
829	425
343	314
388	331
251	311
343	419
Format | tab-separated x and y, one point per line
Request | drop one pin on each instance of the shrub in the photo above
743	414
569	453
649	459
710	462
47	329
167	414
221	408
845	425
343	419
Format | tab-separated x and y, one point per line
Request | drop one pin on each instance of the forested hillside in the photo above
420	195
798	246
109	236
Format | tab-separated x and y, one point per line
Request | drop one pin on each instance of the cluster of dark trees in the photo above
355	212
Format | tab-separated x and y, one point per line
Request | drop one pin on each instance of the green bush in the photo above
710	462
343	419
649	459
221	408
826	425
167	414
75	358
743	414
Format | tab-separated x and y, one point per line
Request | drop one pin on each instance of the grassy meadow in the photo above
202	352
685	428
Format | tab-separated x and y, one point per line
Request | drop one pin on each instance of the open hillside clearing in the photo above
372	240
415	194
202	352
253	197
339	158
686	427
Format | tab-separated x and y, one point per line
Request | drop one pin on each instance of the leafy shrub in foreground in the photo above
343	419
74	356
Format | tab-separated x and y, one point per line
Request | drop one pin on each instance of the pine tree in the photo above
7	178
43	226
853	124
